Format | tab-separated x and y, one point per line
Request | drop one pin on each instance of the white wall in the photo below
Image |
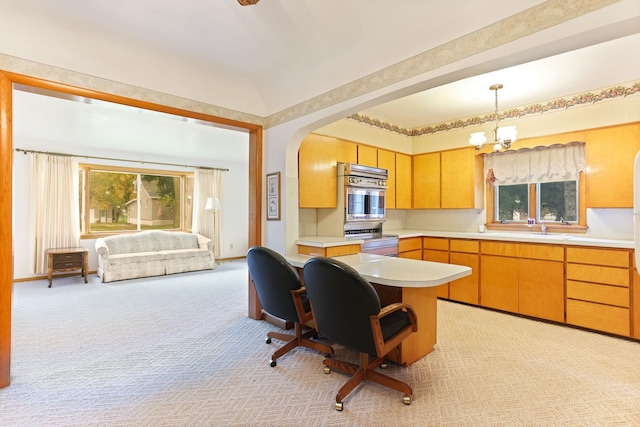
235	199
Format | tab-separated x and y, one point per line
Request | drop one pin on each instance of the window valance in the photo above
559	162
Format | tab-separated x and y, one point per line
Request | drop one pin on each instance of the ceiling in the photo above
269	57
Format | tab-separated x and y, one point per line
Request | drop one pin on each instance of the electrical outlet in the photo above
230	245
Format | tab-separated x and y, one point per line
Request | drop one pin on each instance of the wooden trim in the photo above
6	154
6	221
255	213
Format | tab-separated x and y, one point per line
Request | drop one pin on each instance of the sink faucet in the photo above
543	228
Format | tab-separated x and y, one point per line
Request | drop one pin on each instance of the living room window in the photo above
117	200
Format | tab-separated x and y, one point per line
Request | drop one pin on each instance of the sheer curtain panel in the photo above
55	206
207	183
540	164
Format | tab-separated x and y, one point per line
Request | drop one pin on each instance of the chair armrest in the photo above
384	347
297	301
385	311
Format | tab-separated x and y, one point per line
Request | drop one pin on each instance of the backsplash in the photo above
603	223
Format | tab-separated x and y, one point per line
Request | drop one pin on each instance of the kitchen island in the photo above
409	281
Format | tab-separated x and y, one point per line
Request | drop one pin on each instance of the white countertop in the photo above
391	271
551	238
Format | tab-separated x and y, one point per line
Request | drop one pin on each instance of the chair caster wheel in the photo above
272	363
406	400
327	370
339	406
268	340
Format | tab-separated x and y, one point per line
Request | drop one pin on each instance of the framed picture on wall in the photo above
273	196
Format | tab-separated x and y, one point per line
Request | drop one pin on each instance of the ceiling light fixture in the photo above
503	137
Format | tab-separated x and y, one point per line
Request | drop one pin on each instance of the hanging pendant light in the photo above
503	137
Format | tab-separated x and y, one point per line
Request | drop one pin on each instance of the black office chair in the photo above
347	311
281	295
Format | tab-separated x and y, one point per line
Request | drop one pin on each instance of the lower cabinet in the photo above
598	289
540	290
467	289
499	283
436	249
512	279
410	247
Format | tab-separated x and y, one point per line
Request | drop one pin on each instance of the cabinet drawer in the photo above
597	274
409	244
523	250
435	243
605	294
469	246
498	248
548	252
415	254
600	317
67	257
58	264
598	257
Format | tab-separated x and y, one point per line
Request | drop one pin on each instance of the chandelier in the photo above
503	137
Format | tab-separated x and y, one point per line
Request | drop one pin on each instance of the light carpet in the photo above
180	351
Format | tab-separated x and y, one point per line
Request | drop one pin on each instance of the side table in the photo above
67	259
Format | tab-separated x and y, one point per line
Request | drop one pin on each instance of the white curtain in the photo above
540	164
54	206
207	183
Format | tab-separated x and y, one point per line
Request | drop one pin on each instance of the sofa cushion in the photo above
185	253
133	258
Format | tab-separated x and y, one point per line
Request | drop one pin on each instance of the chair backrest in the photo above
274	279
342	301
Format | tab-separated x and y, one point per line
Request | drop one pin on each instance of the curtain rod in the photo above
119	160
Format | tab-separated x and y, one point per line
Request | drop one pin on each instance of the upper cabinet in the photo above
317	178
426	181
462	183
610	153
387	160
367	156
404	182
347	151
448	180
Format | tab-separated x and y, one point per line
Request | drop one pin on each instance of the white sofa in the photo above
152	253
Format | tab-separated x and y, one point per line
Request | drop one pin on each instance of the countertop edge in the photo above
552	239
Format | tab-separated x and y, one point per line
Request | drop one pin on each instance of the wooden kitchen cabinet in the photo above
367	155
330	251
436	249
317	178
598	289
540	289
523	278
410	247
449	180
635	303
499	283
346	151
404	185
465	252
426	181
609	181
462	183
387	160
